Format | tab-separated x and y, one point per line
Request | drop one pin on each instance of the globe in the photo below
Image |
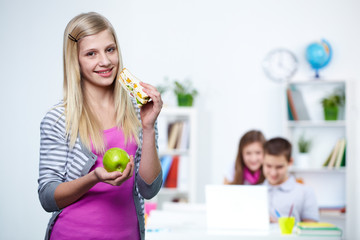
318	54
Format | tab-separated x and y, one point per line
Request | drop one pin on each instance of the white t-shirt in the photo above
281	198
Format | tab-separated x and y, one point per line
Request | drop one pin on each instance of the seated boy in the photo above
283	190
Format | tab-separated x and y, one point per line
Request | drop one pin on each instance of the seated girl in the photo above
248	165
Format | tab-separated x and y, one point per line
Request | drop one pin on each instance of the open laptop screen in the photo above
237	207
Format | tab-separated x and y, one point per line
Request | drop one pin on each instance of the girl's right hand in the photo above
115	178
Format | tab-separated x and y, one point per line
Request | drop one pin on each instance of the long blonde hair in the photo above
80	120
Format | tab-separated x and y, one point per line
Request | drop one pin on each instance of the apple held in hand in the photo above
115	159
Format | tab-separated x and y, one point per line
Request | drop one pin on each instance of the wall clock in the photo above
280	65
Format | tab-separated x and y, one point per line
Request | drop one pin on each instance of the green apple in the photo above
115	159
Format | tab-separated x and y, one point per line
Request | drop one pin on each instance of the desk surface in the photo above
189	223
199	234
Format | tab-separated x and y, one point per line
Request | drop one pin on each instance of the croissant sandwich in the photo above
132	85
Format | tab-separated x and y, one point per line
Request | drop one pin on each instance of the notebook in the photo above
237	208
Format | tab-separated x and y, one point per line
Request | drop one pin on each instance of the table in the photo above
188	222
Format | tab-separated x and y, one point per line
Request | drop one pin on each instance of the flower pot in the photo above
185	100
302	160
331	113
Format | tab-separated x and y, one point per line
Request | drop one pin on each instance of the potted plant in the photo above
331	104
185	93
304	146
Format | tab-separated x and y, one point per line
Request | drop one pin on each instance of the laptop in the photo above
237	208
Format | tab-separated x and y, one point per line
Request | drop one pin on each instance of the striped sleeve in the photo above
53	155
144	189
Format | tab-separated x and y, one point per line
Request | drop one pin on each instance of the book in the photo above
165	162
299	104
326	163
317	229
290	115
179	134
340	154
334	155
173	134
333	211
172	178
343	160
293	115
185	135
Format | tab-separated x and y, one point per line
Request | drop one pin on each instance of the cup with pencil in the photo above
286	223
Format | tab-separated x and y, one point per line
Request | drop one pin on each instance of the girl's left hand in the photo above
150	111
115	178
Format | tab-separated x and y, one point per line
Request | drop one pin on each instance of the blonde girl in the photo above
95	115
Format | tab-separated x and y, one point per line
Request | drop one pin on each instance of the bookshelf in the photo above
183	147
323	134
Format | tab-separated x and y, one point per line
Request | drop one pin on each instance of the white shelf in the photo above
317	124
172	191
174	152
322	170
177	111
324	135
187	187
317	82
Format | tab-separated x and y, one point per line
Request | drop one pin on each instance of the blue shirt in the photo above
281	197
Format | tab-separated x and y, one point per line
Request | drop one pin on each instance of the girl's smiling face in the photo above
253	155
98	59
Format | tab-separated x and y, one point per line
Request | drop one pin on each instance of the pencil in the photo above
277	213
291	209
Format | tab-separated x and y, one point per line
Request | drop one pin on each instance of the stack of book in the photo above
178	135
337	157
333	211
175	171
317	229
173	135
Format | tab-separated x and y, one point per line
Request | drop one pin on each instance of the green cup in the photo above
286	224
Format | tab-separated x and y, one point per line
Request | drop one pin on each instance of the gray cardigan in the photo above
59	163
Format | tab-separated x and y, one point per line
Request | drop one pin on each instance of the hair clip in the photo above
72	38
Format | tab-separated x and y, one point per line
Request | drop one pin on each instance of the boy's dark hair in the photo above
278	147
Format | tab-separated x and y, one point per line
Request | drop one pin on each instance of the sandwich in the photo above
132	85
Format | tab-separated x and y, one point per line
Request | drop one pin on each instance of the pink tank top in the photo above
105	211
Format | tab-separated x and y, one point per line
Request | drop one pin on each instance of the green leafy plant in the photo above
335	99
184	91
185	88
304	144
331	104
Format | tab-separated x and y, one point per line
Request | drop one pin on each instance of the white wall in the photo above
218	44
